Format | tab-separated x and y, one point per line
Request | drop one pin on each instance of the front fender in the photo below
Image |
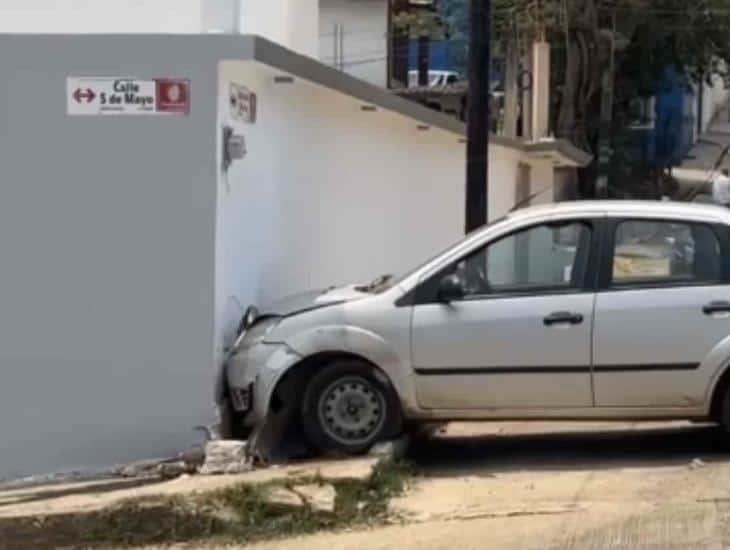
335	339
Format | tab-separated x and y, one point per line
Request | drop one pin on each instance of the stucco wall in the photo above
331	194
107	235
715	97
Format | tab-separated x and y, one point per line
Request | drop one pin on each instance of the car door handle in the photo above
563	318
716	307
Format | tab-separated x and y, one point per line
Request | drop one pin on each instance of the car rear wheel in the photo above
346	408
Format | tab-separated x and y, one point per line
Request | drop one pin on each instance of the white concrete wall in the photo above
365	26
291	23
543	183
109	16
107	236
329	194
714	98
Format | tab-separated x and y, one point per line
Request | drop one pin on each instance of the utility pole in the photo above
605	151
477	158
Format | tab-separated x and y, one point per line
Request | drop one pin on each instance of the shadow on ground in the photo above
485	455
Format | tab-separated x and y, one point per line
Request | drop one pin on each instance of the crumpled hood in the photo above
298	303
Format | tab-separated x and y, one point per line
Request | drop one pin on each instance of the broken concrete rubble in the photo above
171	470
143	468
321	498
225	457
392	450
282	496
194	457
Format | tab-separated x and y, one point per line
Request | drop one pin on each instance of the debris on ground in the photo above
283	496
696	464
242	512
392	450
143	468
165	468
171	470
194	457
54	479
225	457
320	497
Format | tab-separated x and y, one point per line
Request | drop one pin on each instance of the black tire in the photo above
232	424
347	407
725	413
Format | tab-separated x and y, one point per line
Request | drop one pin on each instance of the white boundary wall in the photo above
331	194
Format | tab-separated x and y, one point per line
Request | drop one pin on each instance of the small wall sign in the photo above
242	103
127	96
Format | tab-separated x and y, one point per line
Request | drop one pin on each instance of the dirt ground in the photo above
516	486
575	486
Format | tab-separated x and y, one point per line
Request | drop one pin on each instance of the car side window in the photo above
665	252
545	257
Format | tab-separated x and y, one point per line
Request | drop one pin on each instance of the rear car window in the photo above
665	252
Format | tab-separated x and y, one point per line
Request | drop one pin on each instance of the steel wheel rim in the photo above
351	410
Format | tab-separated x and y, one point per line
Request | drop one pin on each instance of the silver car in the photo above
587	310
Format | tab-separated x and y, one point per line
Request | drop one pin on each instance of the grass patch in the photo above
367	502
240	513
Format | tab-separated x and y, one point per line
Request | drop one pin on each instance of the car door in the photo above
662	308
520	337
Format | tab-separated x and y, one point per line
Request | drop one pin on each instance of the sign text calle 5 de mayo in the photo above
127	96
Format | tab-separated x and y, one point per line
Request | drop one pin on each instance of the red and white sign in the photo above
127	96
173	96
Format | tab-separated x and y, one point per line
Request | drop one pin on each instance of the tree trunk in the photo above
586	62
567	118
424	59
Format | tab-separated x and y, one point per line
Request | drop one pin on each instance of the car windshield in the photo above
402	277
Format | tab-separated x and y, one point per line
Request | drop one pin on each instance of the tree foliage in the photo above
639	39
419	23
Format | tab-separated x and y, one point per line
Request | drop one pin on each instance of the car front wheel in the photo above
346	408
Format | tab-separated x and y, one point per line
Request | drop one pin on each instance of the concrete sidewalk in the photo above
76	498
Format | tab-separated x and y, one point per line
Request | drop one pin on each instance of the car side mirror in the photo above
451	288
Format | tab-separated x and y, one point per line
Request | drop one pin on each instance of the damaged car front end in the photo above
251	372
254	402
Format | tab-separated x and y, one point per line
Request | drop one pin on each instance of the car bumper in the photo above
242	398
252	374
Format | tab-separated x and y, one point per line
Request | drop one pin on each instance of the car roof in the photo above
673	210
630	208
